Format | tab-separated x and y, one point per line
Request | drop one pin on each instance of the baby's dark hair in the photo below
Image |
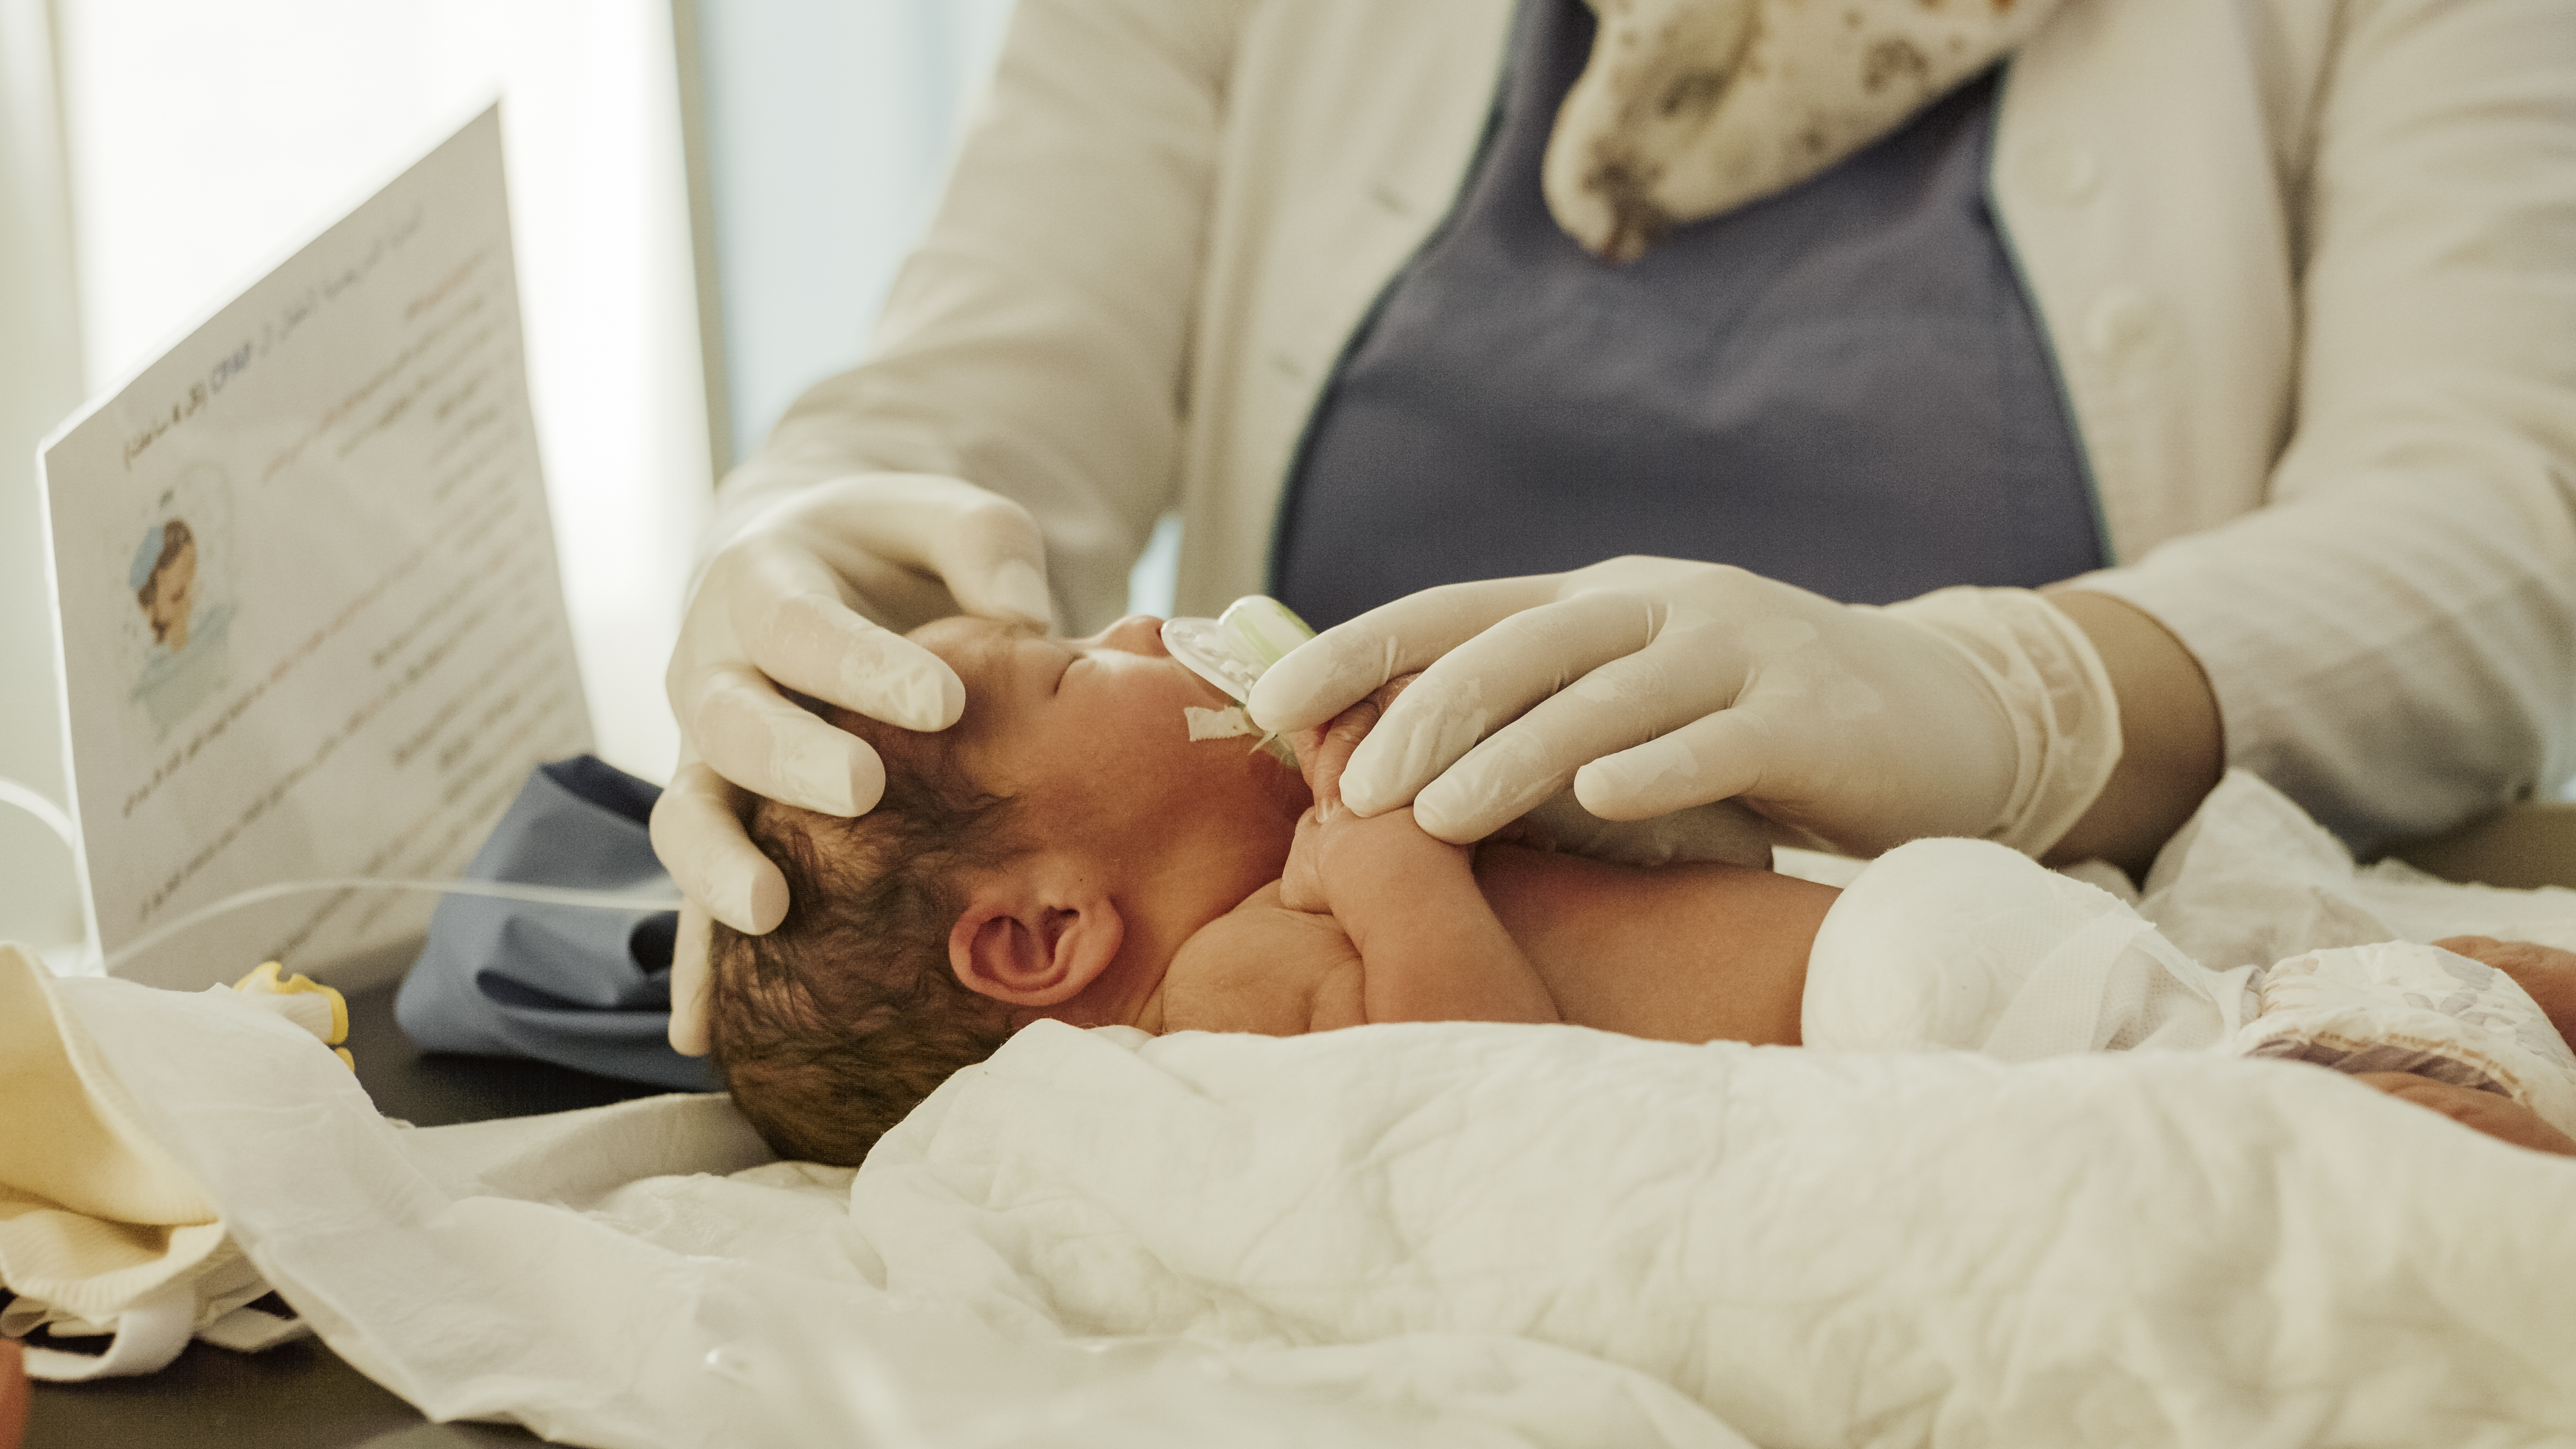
175	537
833	1026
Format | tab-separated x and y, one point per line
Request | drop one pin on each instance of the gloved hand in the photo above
1653	684
814	593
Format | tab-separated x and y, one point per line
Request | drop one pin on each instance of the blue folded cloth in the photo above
574	985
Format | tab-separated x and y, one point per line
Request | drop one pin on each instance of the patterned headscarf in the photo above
1688	108
147	559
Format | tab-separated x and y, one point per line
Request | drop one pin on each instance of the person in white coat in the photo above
2261	451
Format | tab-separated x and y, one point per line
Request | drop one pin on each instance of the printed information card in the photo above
305	585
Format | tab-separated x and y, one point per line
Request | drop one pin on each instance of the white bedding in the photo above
1466	1233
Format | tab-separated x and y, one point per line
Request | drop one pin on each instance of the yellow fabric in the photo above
93	1214
265	982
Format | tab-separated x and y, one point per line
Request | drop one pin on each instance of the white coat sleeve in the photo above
2393	641
1035	342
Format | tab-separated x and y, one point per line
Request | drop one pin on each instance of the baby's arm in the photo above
1429	945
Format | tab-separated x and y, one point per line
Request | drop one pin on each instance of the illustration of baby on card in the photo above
172	579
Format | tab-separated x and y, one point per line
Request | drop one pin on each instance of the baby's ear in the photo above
1023	943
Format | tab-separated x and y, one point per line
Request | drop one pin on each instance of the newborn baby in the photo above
1066	851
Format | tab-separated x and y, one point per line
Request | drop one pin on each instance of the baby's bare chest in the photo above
1264	968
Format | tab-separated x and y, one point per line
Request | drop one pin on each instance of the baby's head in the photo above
1042	858
165	581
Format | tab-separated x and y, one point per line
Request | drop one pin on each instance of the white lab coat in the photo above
2309	269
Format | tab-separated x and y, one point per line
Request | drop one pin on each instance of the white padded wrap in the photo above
1963	945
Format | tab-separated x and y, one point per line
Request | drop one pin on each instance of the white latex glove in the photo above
1653	684
814	593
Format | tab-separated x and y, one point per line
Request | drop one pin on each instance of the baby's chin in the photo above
1279	777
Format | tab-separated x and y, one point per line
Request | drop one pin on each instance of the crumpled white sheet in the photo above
640	1275
1463	1234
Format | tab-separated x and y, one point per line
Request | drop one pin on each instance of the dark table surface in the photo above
302	1395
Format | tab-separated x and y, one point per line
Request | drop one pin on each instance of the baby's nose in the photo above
1135	634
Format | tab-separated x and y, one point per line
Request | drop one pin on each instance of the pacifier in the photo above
1235	648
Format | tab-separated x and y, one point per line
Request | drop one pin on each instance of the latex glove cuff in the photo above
2052	686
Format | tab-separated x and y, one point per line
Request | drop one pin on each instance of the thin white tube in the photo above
497	890
13	793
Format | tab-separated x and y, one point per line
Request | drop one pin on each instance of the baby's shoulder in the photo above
1264	968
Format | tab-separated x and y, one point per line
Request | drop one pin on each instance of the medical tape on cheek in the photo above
1233	723
1218	724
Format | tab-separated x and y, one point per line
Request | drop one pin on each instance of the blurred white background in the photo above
828	128
206	142
156	155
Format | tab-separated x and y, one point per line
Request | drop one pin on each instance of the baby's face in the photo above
174	593
1091	733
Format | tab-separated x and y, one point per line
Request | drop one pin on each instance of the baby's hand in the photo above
2497	1116
1301	881
1329	847
1325	750
2546	972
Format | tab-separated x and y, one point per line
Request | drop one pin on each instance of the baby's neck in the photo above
1165	897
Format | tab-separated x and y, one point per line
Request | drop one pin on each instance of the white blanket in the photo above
1468	1233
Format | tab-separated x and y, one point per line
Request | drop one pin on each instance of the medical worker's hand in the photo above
814	594
1654	684
1324	750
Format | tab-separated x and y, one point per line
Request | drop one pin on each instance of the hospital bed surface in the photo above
302	1395
1445	1232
